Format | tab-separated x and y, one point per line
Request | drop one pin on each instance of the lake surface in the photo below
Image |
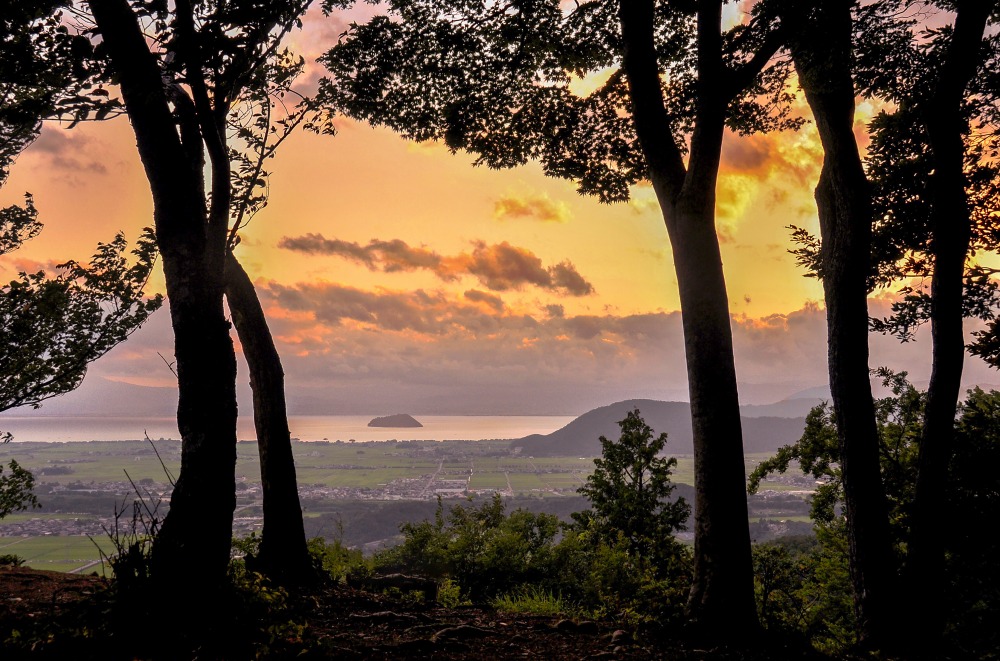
305	428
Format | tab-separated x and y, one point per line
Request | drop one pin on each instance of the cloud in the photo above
420	312
539	206
387	256
491	301
795	156
68	153
317	244
422	350
745	154
502	267
565	276
499	267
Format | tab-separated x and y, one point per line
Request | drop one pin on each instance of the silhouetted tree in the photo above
820	39
283	553
935	190
946	118
180	90
493	79
46	72
970	602
261	128
55	327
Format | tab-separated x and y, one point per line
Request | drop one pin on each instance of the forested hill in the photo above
580	437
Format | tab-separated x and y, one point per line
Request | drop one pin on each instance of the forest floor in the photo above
340	622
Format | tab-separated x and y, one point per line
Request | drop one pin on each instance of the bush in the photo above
336	560
484	550
11	560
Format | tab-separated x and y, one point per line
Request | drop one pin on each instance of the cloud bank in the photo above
347	350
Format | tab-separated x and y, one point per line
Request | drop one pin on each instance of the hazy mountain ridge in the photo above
102	397
580	437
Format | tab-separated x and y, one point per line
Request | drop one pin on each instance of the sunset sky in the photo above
397	277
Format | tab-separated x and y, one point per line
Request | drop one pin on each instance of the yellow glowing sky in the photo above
369	184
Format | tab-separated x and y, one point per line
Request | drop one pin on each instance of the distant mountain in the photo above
580	437
396	420
787	408
97	396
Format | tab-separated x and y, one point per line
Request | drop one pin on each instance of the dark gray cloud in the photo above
499	267
477	296
66	153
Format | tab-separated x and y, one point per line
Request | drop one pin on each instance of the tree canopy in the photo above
499	80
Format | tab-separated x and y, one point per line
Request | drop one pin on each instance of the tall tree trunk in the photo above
721	596
951	231
193	547
283	554
822	55
722	590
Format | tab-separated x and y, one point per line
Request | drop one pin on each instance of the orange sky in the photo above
525	286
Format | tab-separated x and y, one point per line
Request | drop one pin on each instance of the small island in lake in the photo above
397	420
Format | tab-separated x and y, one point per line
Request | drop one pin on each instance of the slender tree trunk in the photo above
822	56
951	231
722	590
721	598
283	554
193	546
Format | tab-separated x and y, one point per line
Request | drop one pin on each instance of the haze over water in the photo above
305	428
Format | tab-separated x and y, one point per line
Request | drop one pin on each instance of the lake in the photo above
305	428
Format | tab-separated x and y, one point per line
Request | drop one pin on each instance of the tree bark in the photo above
192	548
822	55
283	554
951	232
721	597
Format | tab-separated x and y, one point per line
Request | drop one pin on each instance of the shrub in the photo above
11	560
337	560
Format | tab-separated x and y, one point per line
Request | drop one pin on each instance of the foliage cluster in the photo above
16	493
55	326
808	590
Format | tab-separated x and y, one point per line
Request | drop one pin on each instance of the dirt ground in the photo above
343	623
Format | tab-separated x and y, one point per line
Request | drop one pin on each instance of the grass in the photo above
532	601
525	482
57	553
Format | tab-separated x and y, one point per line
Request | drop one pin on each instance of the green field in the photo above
58	553
368	466
87	481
